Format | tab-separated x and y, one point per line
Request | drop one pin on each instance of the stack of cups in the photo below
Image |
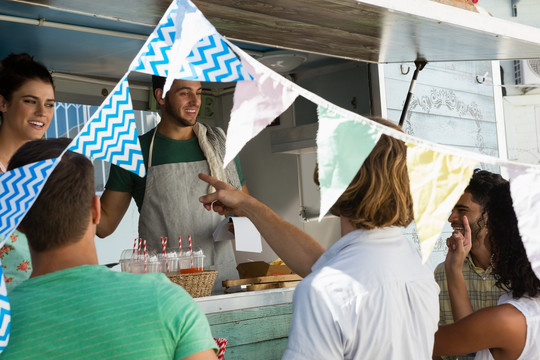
139	264
169	261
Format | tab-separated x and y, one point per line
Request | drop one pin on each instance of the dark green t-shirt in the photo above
166	151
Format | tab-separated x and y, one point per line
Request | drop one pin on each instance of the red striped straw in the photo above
190	250
180	244
139	249
144	245
134	247
164	246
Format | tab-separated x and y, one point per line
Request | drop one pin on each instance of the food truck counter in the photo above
256	324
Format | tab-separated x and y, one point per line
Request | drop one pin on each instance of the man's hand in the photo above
296	248
459	246
226	199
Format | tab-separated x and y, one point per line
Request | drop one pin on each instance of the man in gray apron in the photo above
175	152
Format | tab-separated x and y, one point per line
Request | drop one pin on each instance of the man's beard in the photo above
175	114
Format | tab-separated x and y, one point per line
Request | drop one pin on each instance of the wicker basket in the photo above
196	284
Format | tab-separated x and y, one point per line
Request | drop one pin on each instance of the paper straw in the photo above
164	246
139	249
222	344
190	250
134	248
166	260
144	245
180	244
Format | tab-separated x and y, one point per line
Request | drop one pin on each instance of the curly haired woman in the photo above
510	330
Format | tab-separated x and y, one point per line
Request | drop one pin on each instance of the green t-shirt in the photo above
166	151
91	312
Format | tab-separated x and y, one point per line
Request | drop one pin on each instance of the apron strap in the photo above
151	148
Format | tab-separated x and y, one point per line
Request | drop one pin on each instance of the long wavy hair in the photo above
379	195
511	266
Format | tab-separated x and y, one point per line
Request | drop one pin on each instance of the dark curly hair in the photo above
512	268
481	183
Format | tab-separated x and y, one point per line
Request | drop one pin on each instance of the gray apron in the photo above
171	208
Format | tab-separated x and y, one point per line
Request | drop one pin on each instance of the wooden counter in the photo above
255	323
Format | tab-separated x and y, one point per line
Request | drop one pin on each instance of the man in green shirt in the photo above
72	308
175	152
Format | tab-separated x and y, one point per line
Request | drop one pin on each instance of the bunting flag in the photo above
199	47
186	46
153	57
437	181
257	103
19	189
111	133
5	313
526	201
343	144
212	60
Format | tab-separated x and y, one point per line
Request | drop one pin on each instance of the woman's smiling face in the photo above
30	111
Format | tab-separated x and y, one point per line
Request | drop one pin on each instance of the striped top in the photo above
91	312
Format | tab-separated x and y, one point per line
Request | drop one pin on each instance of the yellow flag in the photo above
437	182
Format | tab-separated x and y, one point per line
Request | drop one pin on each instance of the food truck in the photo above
359	54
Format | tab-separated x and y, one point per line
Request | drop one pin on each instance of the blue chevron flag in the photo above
5	313
213	60
111	133
153	58
19	189
210	59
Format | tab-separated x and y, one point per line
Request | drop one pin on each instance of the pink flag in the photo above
257	103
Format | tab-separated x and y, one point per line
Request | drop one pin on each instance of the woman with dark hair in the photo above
26	111
510	330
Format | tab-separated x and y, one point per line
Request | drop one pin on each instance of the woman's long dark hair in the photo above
512	268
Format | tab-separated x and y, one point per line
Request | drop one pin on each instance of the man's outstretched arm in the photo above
296	248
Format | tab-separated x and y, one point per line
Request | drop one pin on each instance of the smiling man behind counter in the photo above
175	152
72	308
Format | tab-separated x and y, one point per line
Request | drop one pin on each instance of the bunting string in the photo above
185	45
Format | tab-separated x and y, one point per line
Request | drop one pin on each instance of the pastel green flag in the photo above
342	146
437	182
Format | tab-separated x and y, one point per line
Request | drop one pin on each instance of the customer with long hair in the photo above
368	296
510	330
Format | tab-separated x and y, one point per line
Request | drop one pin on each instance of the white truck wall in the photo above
449	106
